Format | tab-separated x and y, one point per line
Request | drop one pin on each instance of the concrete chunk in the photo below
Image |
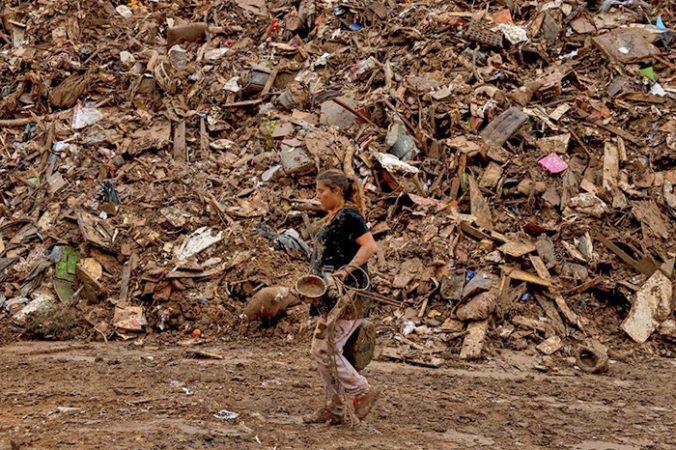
651	307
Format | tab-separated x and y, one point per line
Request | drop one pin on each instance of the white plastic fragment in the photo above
127	58
84	115
198	241
124	11
215	54
232	85
514	33
658	90
393	164
226	415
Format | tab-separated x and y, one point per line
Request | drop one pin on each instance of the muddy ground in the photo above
156	396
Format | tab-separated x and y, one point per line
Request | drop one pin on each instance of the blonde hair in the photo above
348	186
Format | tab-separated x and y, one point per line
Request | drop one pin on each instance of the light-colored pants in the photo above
348	377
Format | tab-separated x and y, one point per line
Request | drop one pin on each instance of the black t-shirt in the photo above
336	245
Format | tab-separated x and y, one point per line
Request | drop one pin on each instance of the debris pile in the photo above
158	160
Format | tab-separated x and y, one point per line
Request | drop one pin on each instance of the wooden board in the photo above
550	311
611	166
180	153
568	314
473	344
504	126
474	232
635	43
491	176
479	206
520	275
517	249
540	267
532	324
649	213
396	355
646	268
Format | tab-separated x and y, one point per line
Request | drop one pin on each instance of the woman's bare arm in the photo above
367	248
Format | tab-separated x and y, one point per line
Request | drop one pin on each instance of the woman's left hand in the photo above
340	274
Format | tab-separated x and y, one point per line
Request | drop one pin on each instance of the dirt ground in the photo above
156	396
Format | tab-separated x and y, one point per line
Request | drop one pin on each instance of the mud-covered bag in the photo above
361	345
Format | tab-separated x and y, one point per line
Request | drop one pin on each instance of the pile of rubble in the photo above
158	161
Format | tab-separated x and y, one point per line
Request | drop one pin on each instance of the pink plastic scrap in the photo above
553	163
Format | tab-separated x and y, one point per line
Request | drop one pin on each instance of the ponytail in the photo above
356	197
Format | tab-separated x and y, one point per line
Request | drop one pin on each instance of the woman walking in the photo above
342	248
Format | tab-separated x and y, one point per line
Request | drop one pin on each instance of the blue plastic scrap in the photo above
660	24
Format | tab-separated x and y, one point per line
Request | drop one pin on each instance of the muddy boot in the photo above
323	415
364	403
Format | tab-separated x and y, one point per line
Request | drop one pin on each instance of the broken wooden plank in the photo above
124	283
180	150
626	45
504	126
270	82
640	97
347	107
611	166
516	248
396	355
532	324
648	212
190	274
92	231
550	345
421	313
473	344
491	176
204	138
588	186
520	275
26	232
201	354
588	284
617	131
540	267
474	232
551	312
479	206
253	102
647	268
565	310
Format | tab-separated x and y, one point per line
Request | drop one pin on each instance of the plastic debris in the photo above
393	164
85	115
226	415
409	327
553	163
514	33
124	11
198	241
288	240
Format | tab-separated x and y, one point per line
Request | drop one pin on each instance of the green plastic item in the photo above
65	268
649	73
64	290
